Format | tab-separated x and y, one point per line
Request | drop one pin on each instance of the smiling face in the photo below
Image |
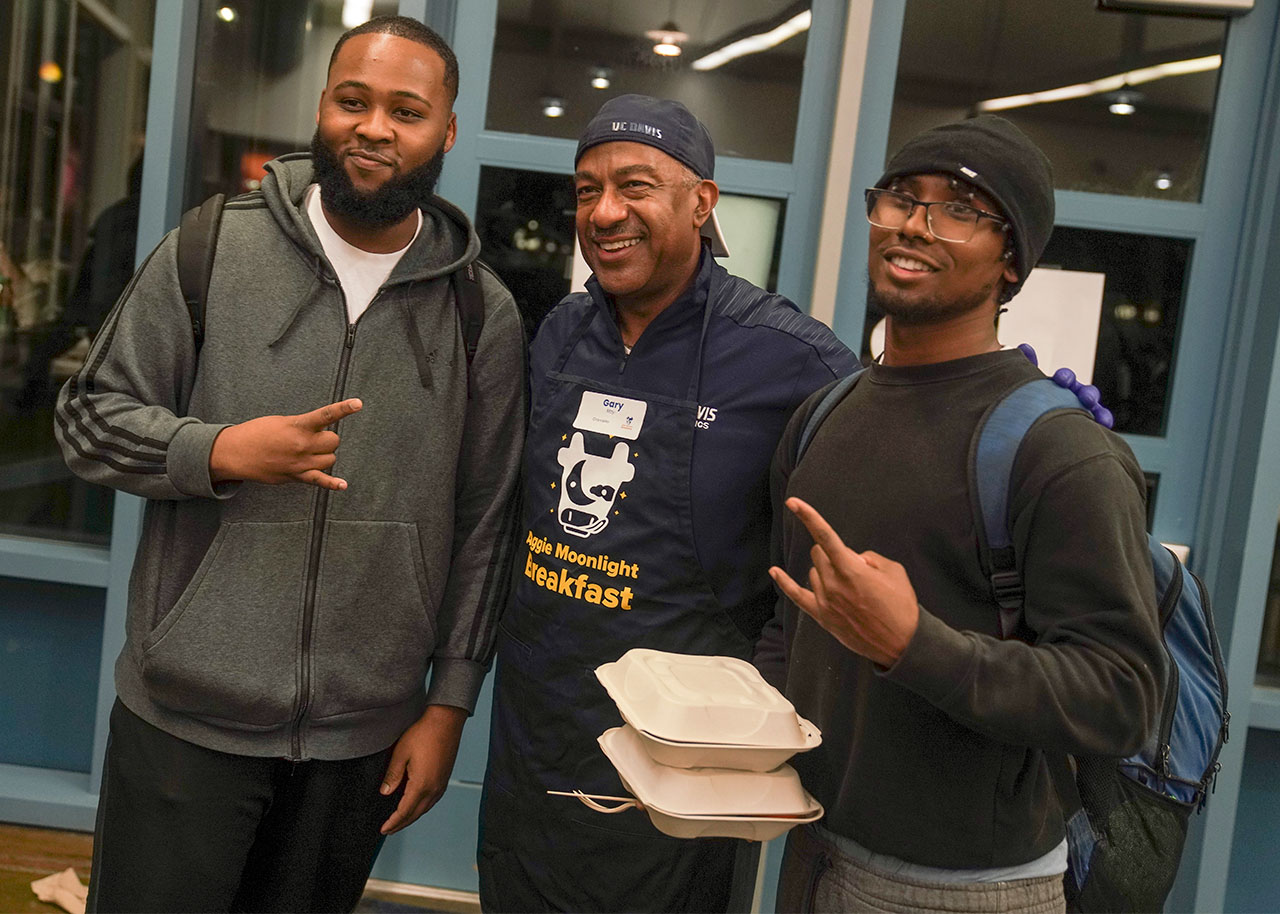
385	111
917	279
639	218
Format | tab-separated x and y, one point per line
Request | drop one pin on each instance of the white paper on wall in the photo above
1057	312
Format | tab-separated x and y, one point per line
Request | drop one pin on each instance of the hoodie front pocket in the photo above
374	628
229	647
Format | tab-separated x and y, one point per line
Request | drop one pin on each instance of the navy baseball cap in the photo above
664	124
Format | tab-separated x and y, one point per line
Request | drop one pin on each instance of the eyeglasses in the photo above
948	220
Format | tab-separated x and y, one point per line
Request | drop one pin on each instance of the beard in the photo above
387	205
922	312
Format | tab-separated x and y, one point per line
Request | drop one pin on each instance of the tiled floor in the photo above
26	854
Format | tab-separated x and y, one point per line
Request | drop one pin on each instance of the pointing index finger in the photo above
327	415
822	532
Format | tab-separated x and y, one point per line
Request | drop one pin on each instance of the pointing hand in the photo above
276	449
862	598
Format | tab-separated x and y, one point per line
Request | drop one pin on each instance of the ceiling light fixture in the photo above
552	105
356	12
1122	104
601	78
1164	181
667	40
226	14
753	44
1106	84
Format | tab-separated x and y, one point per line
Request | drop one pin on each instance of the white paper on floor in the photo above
63	889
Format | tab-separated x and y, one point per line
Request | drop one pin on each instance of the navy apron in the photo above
607	563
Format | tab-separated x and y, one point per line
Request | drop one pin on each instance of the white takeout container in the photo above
694	698
749	828
709	802
725	755
703	791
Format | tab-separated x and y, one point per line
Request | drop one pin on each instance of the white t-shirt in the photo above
361	273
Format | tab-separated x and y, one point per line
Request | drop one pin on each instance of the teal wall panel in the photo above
50	637
1253	883
440	848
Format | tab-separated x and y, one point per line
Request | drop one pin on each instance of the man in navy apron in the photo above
658	396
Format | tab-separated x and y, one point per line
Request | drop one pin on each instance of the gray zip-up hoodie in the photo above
287	620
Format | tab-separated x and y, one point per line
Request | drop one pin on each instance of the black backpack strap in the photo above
469	298
197	244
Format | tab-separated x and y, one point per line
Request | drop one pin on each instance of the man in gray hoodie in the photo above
293	590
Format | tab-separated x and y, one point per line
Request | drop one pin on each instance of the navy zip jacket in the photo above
761	359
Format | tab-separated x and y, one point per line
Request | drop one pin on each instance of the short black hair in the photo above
412	29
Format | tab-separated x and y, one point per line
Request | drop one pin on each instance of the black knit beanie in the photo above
1000	160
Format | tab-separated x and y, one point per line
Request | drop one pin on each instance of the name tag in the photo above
610	415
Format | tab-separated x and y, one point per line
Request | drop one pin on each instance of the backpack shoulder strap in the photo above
197	244
835	393
469	298
991	454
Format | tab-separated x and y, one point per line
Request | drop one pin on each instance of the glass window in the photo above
73	93
554	64
259	73
525	220
752	228
1127	111
1142	300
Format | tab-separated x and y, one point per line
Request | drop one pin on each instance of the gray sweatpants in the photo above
818	876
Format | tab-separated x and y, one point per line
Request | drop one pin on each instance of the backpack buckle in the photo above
1006	587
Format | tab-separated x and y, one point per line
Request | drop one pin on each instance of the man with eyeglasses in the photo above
939	735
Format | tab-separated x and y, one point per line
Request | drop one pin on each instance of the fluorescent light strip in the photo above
753	44
1106	84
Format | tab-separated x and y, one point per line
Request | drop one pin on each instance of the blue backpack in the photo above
1129	816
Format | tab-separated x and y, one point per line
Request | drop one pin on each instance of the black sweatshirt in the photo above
940	760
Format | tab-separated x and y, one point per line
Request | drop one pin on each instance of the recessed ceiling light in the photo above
553	106
227	14
1122	104
601	78
667	40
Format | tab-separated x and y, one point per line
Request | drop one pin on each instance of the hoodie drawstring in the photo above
415	343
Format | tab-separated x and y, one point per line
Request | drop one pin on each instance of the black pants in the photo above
183	828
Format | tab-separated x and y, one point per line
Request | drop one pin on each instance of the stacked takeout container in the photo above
705	744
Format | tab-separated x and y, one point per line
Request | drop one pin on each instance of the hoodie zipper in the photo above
316	547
